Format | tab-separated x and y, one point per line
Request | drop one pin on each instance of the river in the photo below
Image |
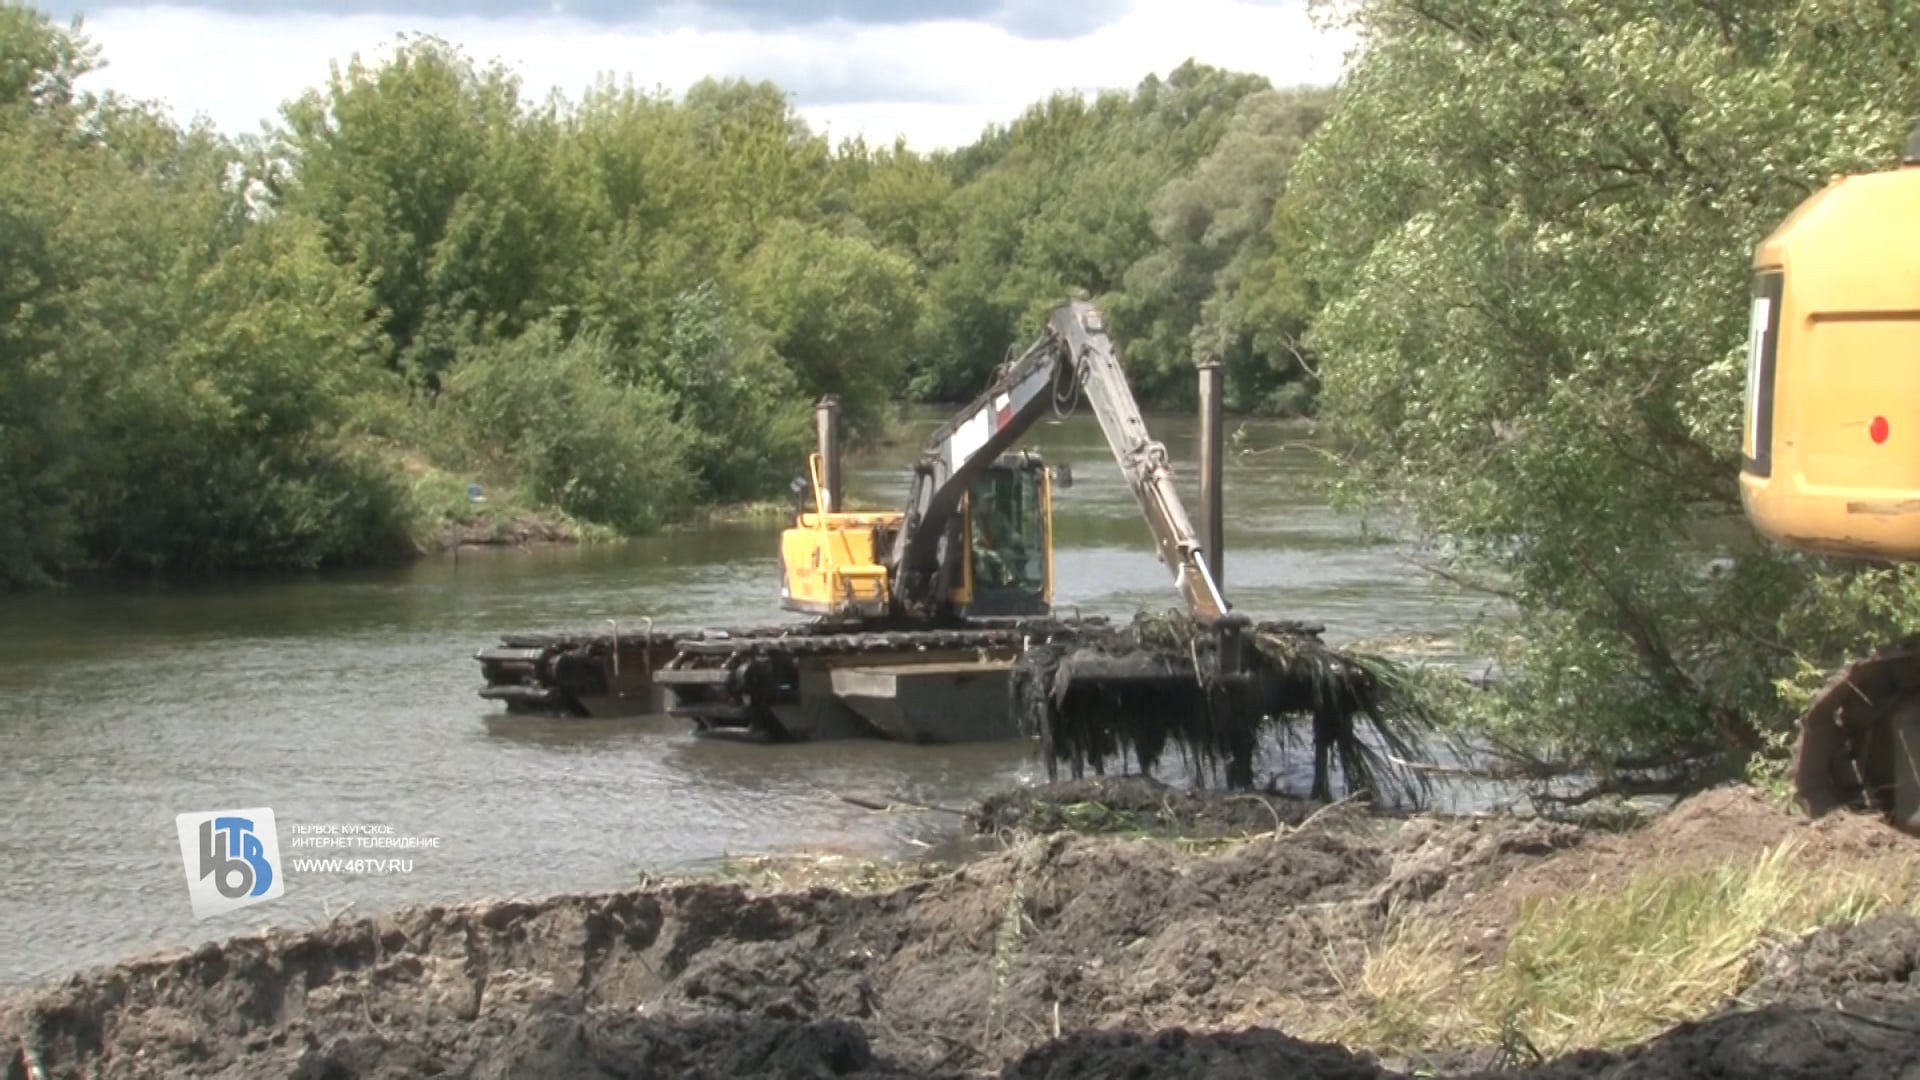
350	699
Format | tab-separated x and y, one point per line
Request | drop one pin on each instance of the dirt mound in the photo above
1137	804
615	985
1481	873
1778	1042
1878	958
563	1043
1044	960
1256	1054
962	972
1704	829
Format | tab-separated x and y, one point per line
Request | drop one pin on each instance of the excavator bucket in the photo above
1859	744
1216	692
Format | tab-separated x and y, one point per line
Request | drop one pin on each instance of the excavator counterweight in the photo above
1831	455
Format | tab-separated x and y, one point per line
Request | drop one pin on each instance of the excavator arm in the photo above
1073	354
1142	460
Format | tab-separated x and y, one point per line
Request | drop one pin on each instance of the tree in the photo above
177	378
246	353
236	447
840	310
1208	285
1057	204
762	164
42	388
746	422
1532	227
431	180
897	199
574	430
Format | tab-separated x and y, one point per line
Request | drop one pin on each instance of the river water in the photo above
350	699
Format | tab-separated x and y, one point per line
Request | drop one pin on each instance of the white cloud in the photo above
938	83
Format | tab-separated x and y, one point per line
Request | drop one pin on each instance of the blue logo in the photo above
232	859
242	868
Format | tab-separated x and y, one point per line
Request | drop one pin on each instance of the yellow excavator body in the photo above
1831	455
834	563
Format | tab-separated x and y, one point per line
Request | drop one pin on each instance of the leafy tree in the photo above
1532	226
840	310
896	199
747	424
175	378
1199	290
42	400
237	445
236	353
761	164
432	182
1057	203
643	219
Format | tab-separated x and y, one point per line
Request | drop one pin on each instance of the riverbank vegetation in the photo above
288	349
1529	234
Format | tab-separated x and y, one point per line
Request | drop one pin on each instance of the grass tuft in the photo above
1604	968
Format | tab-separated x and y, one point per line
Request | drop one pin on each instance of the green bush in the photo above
1532	227
748	423
581	439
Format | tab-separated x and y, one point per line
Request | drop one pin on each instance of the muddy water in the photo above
350	699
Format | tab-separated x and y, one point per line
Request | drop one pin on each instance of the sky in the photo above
933	71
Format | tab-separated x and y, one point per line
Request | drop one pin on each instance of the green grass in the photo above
1607	967
440	502
762	510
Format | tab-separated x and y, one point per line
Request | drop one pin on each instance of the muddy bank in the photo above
1064	956
525	530
1137	805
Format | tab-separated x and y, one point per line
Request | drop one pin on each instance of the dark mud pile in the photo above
1066	956
1137	805
1879	959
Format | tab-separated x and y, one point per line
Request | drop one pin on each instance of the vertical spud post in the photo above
1212	443
826	418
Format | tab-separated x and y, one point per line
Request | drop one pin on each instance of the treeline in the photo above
297	349
1517	252
1530	229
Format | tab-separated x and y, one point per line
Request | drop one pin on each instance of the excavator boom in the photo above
1073	354
1142	460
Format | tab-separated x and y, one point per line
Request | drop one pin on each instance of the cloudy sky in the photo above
936	71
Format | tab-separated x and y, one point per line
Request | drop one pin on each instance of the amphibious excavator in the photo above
917	613
935	622
1831	455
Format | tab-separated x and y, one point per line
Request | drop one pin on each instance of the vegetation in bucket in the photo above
1125	695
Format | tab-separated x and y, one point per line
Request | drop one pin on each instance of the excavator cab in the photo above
1007	524
1831	454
